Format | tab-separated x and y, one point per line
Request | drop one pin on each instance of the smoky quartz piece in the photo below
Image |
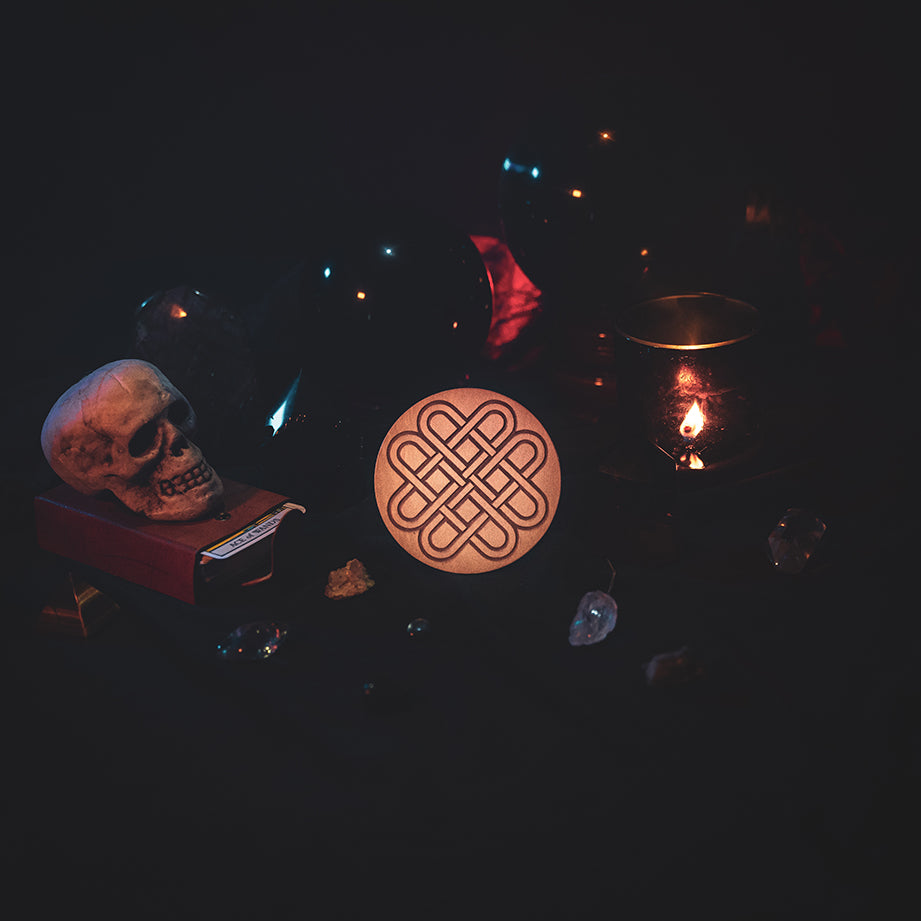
794	539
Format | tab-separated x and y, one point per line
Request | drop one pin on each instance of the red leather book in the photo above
176	558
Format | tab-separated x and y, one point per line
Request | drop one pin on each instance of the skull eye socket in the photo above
143	439
179	412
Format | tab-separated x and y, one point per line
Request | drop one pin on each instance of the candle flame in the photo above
693	422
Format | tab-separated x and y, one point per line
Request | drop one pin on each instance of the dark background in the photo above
147	145
154	146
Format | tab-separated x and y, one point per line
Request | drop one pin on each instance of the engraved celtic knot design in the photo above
466	481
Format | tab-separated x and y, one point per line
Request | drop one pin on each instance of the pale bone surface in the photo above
125	428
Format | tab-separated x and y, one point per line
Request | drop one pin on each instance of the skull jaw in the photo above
197	502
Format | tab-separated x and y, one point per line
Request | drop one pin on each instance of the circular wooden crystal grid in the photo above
467	480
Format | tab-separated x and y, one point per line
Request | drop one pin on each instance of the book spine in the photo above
129	553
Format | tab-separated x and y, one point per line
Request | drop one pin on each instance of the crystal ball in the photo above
569	204
320	450
391	300
599	196
199	342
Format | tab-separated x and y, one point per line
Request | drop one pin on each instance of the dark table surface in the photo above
509	775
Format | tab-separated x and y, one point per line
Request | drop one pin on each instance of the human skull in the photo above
124	428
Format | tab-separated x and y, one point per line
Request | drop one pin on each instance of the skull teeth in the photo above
183	482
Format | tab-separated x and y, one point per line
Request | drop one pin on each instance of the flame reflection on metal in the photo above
691	460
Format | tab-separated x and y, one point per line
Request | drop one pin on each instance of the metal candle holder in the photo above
687	376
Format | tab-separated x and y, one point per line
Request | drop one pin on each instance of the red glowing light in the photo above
757	214
516	301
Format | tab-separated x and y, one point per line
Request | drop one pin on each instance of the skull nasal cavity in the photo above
178	446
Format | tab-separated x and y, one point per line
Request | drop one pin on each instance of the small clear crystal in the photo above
419	627
252	642
794	539
595	619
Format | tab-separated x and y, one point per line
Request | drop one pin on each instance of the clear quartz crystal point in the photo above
794	539
595	619
252	642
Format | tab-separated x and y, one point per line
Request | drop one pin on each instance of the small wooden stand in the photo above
77	608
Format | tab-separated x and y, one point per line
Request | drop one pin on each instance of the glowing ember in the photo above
693	422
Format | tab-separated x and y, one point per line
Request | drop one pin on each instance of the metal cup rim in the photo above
638	322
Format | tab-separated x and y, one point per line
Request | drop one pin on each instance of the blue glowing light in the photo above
278	418
388	250
520	168
327	272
